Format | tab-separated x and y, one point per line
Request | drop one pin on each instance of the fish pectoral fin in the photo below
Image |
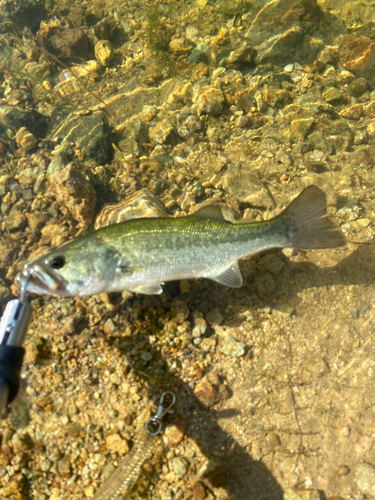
231	277
148	289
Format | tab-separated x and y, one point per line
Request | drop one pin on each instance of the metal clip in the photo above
23	293
153	425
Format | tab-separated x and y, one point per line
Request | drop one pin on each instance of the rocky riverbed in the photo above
113	110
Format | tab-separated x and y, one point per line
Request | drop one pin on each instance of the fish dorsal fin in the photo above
209	212
231	277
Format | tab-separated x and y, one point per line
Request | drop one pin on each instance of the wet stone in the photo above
292	44
271	262
242	121
332	95
70	43
241	52
365	478
300	128
316	366
14	486
357	54
358	87
36	220
103	52
137	130
25	139
72	190
244	183
15	117
89	133
63	466
265	283
199	490
15	221
179	466
352	113
180	45
210	100
214	317
318	141
146	356
231	347
140	204
193	124
160	132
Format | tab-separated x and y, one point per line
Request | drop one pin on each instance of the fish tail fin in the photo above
308	225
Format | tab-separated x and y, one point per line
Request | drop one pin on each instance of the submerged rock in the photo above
73	191
140	204
89	133
243	182
299	34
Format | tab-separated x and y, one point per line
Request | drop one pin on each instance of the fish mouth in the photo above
40	280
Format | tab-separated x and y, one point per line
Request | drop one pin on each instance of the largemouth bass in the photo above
140	255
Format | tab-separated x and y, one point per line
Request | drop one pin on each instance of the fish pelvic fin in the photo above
308	225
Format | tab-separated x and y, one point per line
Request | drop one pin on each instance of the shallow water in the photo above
196	102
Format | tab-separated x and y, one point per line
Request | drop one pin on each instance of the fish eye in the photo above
57	262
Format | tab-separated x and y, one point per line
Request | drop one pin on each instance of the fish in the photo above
141	255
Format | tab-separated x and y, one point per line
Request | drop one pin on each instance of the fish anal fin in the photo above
209	212
155	289
231	277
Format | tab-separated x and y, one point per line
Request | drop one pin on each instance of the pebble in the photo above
89	132
70	43
199	490
301	494
199	330
140	204
209	100
72	189
15	221
232	347
137	130
146	356
175	431
361	224
352	113
300	128
365	478
342	470
63	466
245	183
115	442
103	52
179	466
332	95
214	317
180	45
159	133
209	390
25	139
